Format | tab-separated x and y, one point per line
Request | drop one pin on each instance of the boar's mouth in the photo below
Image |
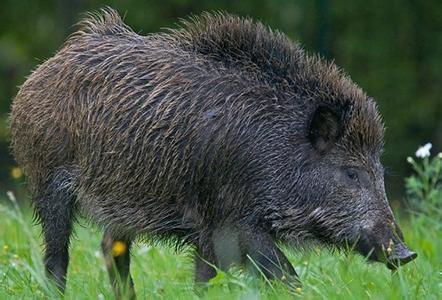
392	251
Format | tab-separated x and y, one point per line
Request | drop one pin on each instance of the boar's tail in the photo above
105	21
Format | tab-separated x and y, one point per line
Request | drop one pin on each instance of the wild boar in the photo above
221	134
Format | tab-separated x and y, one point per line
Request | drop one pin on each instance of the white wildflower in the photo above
439	155
101	297
424	151
410	160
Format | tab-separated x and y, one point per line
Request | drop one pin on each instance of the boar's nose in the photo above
398	256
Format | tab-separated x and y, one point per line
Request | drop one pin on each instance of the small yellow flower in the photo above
5	248
298	290
16	173
118	248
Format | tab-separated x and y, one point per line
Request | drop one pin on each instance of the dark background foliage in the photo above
392	49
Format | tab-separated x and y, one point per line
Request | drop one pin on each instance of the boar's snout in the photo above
400	255
384	243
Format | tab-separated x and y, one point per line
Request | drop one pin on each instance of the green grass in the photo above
160	273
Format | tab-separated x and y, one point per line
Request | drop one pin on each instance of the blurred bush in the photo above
391	49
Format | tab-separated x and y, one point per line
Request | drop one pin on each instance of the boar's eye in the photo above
352	174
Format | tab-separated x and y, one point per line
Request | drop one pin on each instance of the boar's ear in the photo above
326	127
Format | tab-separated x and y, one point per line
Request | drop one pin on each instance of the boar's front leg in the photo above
218	247
116	252
205	260
228	245
264	254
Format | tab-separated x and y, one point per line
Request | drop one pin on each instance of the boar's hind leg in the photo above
55	208
264	254
116	252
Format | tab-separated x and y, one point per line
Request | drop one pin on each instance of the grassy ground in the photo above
160	273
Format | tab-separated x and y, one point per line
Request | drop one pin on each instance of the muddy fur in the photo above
176	135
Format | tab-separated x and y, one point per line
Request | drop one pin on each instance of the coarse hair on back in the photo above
106	21
264	56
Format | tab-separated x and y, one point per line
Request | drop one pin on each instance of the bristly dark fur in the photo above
177	135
